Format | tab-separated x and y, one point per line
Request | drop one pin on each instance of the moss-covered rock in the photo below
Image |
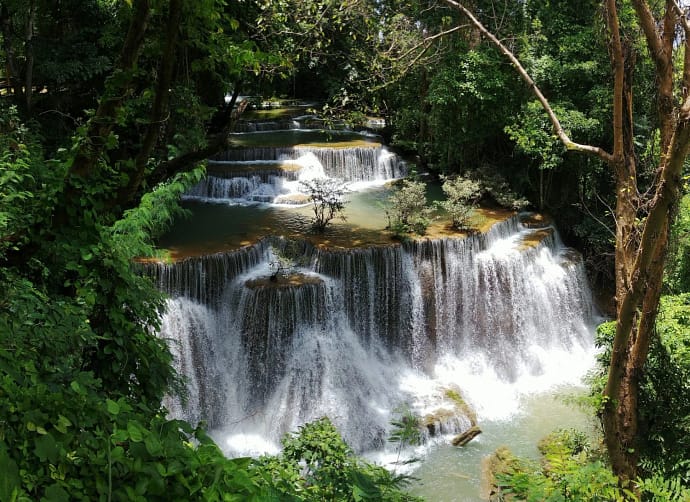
502	461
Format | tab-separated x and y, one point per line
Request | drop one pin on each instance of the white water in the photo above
256	186
272	174
374	329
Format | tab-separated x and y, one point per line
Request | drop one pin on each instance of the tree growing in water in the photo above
643	214
327	196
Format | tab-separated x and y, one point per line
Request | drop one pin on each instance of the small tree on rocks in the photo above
327	196
462	196
408	210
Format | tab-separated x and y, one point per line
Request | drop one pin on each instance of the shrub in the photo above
327	196
462	197
408	210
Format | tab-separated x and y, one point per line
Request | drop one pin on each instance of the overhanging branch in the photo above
557	127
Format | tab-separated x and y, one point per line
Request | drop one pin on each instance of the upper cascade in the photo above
359	162
268	168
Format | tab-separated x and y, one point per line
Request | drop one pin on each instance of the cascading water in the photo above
350	163
355	334
273	174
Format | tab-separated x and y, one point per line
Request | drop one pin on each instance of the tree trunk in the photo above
29	53
641	226
6	25
160	104
102	123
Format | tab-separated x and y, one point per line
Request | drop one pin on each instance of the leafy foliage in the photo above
678	267
462	196
316	464
406	431
327	196
408	210
569	470
664	392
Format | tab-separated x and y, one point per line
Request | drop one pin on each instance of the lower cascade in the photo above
357	334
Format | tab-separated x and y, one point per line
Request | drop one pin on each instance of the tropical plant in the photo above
405	431
316	464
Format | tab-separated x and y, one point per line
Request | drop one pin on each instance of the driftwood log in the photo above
467	436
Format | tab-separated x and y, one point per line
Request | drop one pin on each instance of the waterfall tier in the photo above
262	360
368	162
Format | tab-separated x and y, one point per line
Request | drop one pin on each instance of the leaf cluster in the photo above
569	470
664	405
407	208
462	197
316	464
327	196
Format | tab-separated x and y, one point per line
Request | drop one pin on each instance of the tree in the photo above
327	198
642	216
408	210
462	196
80	362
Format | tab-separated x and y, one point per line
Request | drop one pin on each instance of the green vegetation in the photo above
406	431
462	198
407	209
569	470
106	110
316	464
678	269
664	391
327	196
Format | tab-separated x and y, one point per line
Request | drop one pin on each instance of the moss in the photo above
341	236
462	405
342	144
535	238
274	113
501	462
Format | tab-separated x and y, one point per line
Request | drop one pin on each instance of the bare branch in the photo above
558	129
427	40
617	60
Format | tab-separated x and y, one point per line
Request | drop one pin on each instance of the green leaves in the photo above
112	407
327	196
462	197
407	208
9	481
46	448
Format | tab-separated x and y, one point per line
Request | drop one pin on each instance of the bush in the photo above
569	470
462	197
408	210
327	198
678	268
316	465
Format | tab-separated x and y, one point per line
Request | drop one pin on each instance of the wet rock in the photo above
535	220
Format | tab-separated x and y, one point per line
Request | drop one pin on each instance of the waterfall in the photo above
354	334
356	163
237	177
295	123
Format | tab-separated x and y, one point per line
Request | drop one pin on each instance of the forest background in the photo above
109	108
